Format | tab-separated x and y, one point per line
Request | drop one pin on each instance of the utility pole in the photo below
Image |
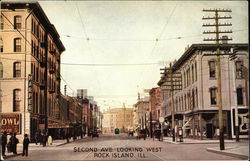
172	81
218	66
151	128
232	57
172	101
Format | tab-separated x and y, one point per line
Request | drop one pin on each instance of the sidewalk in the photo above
240	151
33	146
232	148
194	141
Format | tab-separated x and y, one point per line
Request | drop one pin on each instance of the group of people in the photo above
43	139
12	144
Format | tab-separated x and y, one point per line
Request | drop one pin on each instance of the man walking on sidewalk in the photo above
4	142
26	142
14	141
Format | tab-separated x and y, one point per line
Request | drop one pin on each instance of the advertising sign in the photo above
11	123
243	117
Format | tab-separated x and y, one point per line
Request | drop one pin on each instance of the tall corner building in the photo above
29	69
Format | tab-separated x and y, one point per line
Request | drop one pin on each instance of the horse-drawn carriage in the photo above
141	134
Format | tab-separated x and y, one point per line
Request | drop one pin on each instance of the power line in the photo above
16	29
12	25
143	64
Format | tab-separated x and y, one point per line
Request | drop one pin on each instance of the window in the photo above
212	67
195	68
196	97
239	69
184	82
213	96
17	45
192	74
17	69
16	99
1	44
32	25
239	96
17	22
1	70
188	77
193	99
1	22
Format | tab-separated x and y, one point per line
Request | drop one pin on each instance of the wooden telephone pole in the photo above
217	39
172	83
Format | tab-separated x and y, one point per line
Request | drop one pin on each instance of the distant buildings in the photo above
156	106
121	118
142	113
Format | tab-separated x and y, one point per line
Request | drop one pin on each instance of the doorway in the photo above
209	130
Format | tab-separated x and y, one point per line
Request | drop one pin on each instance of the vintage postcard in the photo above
124	80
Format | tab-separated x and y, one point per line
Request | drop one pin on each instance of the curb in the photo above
10	156
195	142
241	156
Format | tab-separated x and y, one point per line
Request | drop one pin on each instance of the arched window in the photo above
16	100
192	69
1	70
239	69
17	22
17	69
195	68
17	45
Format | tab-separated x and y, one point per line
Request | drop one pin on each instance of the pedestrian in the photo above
4	142
49	140
44	139
26	142
36	137
14	141
68	137
41	139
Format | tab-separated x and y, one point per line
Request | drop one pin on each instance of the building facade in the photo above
30	68
196	104
156	106
142	114
121	118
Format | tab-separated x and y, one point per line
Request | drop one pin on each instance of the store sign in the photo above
243	117
11	123
57	126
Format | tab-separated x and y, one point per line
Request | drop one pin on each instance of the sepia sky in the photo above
145	34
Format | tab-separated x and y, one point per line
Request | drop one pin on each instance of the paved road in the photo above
123	147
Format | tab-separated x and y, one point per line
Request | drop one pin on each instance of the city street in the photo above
123	147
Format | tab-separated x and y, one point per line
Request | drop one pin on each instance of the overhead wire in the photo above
25	39
88	42
158	38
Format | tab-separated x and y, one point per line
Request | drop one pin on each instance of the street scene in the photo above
124	80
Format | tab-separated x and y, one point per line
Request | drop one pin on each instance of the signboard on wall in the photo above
11	123
243	117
